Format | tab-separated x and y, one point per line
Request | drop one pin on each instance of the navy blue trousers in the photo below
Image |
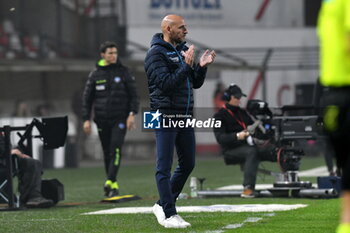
170	186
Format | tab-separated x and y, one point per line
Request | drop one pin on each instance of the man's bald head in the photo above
174	29
170	20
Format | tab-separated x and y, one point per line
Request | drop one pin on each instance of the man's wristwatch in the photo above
131	113
237	135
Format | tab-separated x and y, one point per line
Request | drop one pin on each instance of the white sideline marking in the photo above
212	208
253	219
234	226
237	225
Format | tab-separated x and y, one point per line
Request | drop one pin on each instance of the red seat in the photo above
28	44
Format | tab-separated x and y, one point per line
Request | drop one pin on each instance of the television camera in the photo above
287	133
53	132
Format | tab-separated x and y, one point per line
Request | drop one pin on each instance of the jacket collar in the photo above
232	108
158	40
101	64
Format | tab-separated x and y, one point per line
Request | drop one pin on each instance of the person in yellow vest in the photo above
334	33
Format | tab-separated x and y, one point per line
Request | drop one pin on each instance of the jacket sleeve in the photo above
157	69
132	92
88	97
223	135
199	76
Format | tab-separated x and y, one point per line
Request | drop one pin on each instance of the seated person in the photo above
236	143
29	176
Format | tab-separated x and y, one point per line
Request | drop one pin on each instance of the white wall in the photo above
217	13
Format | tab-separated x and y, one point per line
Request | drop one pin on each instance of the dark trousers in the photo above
29	178
112	134
250	157
169	187
329	155
337	124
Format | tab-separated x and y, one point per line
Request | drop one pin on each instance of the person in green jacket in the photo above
334	33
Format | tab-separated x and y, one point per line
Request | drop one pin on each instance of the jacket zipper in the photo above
110	82
188	83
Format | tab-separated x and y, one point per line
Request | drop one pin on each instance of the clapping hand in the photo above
189	55
207	58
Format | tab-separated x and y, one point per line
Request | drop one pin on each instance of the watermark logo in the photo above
151	120
158	120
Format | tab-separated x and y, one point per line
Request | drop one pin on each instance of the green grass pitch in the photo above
83	191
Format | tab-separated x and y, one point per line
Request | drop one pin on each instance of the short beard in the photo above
178	41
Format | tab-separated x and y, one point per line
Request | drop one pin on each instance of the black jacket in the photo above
112	91
230	126
170	79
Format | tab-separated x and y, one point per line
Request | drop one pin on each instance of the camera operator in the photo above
236	142
29	175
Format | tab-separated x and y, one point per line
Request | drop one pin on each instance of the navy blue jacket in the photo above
170	79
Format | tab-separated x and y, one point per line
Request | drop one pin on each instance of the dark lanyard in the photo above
239	121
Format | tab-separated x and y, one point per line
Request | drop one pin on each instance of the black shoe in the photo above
113	193
107	189
39	202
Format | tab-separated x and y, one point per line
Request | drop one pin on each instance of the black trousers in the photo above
29	176
337	125
112	134
250	157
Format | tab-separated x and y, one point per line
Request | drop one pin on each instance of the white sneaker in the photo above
187	224
159	213
175	221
